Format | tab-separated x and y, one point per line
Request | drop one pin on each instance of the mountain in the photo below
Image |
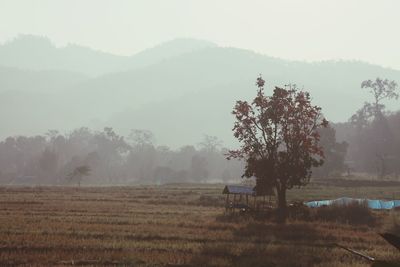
39	53
180	90
14	79
219	77
165	51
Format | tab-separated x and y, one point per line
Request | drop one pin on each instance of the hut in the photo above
245	198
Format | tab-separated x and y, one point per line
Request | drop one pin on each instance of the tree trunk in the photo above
281	204
381	166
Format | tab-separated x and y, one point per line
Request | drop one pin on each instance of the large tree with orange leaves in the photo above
279	139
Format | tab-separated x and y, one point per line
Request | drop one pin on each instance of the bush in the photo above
393	223
353	213
299	211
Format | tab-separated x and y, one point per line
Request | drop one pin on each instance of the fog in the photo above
77	78
290	29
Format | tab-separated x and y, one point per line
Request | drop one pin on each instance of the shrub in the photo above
353	213
392	224
298	211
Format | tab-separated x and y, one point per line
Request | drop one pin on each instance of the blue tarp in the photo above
375	204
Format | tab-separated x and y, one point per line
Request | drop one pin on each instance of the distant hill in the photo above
179	90
39	53
51	81
200	89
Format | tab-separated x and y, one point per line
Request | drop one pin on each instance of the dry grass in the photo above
176	225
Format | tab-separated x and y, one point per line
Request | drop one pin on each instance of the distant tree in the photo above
394	161
381	90
279	139
182	158
374	139
52	134
142	157
78	173
162	175
140	137
334	152
210	144
198	168
48	163
113	151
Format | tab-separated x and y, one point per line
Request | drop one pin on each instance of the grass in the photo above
175	225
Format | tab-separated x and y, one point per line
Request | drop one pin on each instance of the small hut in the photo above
245	198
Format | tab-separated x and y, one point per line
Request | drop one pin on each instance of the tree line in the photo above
368	143
373	133
105	157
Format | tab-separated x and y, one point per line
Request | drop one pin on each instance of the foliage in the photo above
48	159
141	137
381	89
279	138
210	144
334	154
78	173
353	213
374	141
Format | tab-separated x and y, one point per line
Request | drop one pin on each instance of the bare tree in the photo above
381	90
210	143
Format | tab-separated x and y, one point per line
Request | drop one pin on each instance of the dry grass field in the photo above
175	225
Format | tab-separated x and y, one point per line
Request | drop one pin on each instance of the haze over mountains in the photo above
180	89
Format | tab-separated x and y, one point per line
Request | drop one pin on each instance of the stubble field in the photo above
174	225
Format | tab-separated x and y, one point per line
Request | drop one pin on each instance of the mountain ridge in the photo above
32	52
202	84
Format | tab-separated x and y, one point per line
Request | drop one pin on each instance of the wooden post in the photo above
263	206
234	203
247	200
227	202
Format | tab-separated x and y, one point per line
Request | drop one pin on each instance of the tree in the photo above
334	153
48	163
141	137
198	168
381	90
279	139
210	144
374	137
112	150
78	173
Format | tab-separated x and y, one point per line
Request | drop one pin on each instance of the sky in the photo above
310	30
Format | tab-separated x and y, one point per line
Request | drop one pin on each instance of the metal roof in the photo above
239	189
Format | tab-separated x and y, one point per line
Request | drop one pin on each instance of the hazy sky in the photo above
299	29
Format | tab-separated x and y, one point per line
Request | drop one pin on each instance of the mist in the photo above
199	133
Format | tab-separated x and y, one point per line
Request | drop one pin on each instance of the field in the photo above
174	225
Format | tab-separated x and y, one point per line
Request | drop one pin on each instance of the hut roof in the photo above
238	189
243	190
